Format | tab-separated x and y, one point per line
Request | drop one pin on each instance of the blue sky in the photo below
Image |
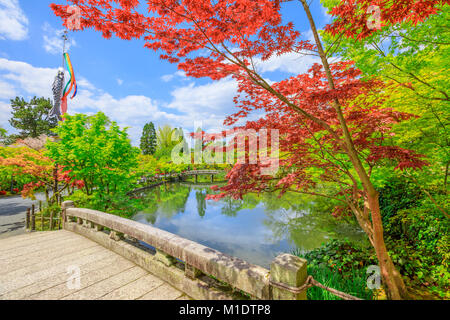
127	82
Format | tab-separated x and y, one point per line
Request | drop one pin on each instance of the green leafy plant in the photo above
97	151
340	265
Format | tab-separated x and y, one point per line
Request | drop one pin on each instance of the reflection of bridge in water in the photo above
200	184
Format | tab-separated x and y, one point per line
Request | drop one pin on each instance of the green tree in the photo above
414	57
97	151
148	139
164	136
167	139
31	118
2	134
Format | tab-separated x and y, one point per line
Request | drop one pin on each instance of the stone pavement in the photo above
44	265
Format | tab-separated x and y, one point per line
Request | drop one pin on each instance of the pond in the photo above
255	229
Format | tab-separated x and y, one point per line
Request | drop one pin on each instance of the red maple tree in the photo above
320	125
351	16
40	170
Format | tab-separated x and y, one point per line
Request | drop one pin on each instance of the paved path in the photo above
12	214
37	266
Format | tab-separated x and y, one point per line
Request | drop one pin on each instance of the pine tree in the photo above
31	118
148	139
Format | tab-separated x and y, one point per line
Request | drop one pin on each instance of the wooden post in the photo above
28	219
40	206
59	221
212	178
196	179
51	221
33	221
42	219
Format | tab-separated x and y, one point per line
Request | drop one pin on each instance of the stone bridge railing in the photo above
186	265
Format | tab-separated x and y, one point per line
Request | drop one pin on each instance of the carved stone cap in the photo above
67	204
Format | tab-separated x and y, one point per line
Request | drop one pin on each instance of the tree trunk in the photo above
86	187
396	288
392	278
55	182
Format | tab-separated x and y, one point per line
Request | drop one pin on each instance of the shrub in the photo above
341	265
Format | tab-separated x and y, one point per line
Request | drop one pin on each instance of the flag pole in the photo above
65	38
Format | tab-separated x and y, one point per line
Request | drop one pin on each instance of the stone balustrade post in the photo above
287	271
65	205
164	258
116	236
192	272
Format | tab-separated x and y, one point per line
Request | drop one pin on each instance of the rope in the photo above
311	282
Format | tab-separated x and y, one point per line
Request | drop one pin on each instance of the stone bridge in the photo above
103	256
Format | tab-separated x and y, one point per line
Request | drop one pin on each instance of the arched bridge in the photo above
102	256
157	180
181	175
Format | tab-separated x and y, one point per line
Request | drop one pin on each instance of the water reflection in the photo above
255	229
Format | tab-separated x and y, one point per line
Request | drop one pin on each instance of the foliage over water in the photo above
256	229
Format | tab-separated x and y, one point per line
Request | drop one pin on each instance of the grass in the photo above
353	283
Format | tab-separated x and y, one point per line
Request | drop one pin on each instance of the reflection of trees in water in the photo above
303	220
150	217
231	207
201	202
300	219
308	229
166	201
304	229
270	201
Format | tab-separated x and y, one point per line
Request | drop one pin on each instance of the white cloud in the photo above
5	112
6	90
134	111
209	103
53	42
35	81
13	22
169	77
212	97
84	83
290	62
119	81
